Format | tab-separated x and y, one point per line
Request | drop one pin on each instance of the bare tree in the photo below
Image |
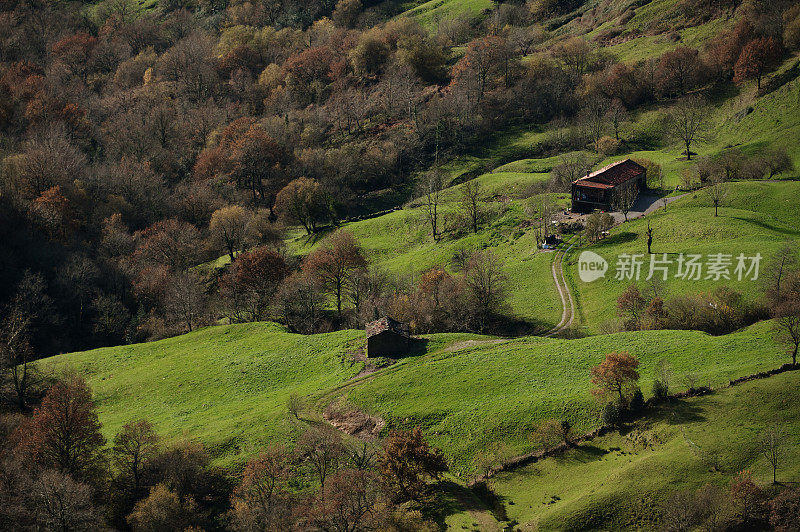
617	114
570	168
323	449
295	405
431	188
593	116
772	448
688	122
486	284
542	214
717	191
471	202
787	324
624	198
781	264
185	300
16	353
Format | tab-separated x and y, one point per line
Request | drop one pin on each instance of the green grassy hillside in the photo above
228	385
615	482
491	392
225	386
430	13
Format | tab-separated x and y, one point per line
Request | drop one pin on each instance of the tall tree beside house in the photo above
624	198
335	263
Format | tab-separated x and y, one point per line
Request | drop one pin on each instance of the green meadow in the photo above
622	480
228	386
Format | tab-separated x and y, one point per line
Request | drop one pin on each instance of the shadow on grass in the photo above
678	412
416	347
583	453
450	498
318	235
768	227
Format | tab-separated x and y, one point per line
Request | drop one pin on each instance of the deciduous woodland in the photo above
174	167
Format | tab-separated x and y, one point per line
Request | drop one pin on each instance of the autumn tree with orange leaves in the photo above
64	432
758	57
616	376
407	462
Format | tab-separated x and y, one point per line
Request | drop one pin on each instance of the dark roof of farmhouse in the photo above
386	324
612	175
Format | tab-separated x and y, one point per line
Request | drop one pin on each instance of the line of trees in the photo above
59	473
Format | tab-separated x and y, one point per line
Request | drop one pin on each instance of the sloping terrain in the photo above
228	386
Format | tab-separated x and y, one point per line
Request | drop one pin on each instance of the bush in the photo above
611	414
637	402
660	390
606	145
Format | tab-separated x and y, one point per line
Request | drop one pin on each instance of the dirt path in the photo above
567	303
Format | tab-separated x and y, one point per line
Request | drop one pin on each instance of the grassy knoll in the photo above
487	393
225	386
756	217
683	446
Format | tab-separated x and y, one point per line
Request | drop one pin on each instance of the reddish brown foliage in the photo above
335	262
252	282
679	70
170	243
407	461
616	375
64	432
757	58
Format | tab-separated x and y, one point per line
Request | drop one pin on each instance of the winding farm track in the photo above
567	302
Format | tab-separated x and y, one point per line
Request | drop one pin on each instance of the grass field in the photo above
491	392
615	482
227	386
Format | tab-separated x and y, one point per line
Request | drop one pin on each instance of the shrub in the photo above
660	390
637	402
606	145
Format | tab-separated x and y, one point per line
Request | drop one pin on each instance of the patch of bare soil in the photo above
371	365
353	421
